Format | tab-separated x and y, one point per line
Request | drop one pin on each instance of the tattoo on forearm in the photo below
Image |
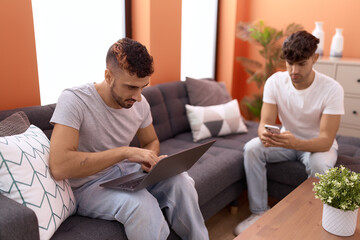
83	162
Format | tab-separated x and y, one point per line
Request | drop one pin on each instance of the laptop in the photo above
165	168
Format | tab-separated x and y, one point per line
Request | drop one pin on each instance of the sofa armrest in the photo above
17	221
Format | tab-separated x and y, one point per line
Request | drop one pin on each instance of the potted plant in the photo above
339	190
270	41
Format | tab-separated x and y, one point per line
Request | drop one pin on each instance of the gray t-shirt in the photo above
100	126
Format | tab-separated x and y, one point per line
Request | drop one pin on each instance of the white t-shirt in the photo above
300	111
100	126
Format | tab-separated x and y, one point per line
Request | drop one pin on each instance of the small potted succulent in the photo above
339	190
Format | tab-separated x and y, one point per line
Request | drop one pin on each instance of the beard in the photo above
127	103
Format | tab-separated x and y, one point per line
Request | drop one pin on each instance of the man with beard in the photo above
93	127
309	105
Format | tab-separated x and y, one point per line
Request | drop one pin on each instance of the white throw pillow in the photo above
216	120
25	177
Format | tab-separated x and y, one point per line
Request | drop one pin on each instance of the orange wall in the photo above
334	14
140	17
241	48
228	69
226	42
19	85
157	24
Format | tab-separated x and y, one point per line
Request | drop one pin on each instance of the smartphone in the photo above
272	129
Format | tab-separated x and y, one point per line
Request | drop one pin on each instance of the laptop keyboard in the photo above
132	184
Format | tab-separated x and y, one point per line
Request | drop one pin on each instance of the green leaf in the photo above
339	188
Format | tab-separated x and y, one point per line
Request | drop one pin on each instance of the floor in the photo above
221	226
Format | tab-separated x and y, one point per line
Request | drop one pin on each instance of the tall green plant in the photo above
269	39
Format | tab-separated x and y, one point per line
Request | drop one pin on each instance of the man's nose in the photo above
294	69
137	95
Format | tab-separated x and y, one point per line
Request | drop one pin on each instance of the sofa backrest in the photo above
167	102
38	115
159	112
175	97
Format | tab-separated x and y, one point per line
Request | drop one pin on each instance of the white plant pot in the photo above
339	222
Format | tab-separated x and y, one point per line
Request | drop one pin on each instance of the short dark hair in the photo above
131	56
299	46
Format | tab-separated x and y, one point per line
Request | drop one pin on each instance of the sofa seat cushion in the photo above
352	163
79	227
348	146
349	152
292	173
216	170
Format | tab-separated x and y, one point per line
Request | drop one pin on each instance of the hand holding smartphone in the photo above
272	129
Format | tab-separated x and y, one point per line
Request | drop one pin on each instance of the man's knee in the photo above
183	182
137	204
252	150
319	164
318	167
253	146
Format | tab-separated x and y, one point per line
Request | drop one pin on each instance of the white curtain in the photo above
72	38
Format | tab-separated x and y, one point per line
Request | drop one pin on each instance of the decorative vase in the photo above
319	33
337	44
339	222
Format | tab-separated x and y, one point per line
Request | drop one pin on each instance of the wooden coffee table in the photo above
297	216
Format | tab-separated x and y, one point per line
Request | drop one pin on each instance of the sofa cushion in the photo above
37	115
217	169
16	123
352	163
348	146
216	120
79	227
159	112
175	97
25	177
206	92
292	173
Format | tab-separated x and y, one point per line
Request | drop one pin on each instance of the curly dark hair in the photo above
299	46
131	56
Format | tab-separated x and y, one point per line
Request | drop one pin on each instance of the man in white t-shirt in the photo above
309	105
93	127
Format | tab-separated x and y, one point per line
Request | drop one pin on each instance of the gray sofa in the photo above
219	175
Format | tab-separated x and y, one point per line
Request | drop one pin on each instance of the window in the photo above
198	38
72	39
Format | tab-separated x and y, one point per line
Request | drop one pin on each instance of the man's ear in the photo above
108	76
315	57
